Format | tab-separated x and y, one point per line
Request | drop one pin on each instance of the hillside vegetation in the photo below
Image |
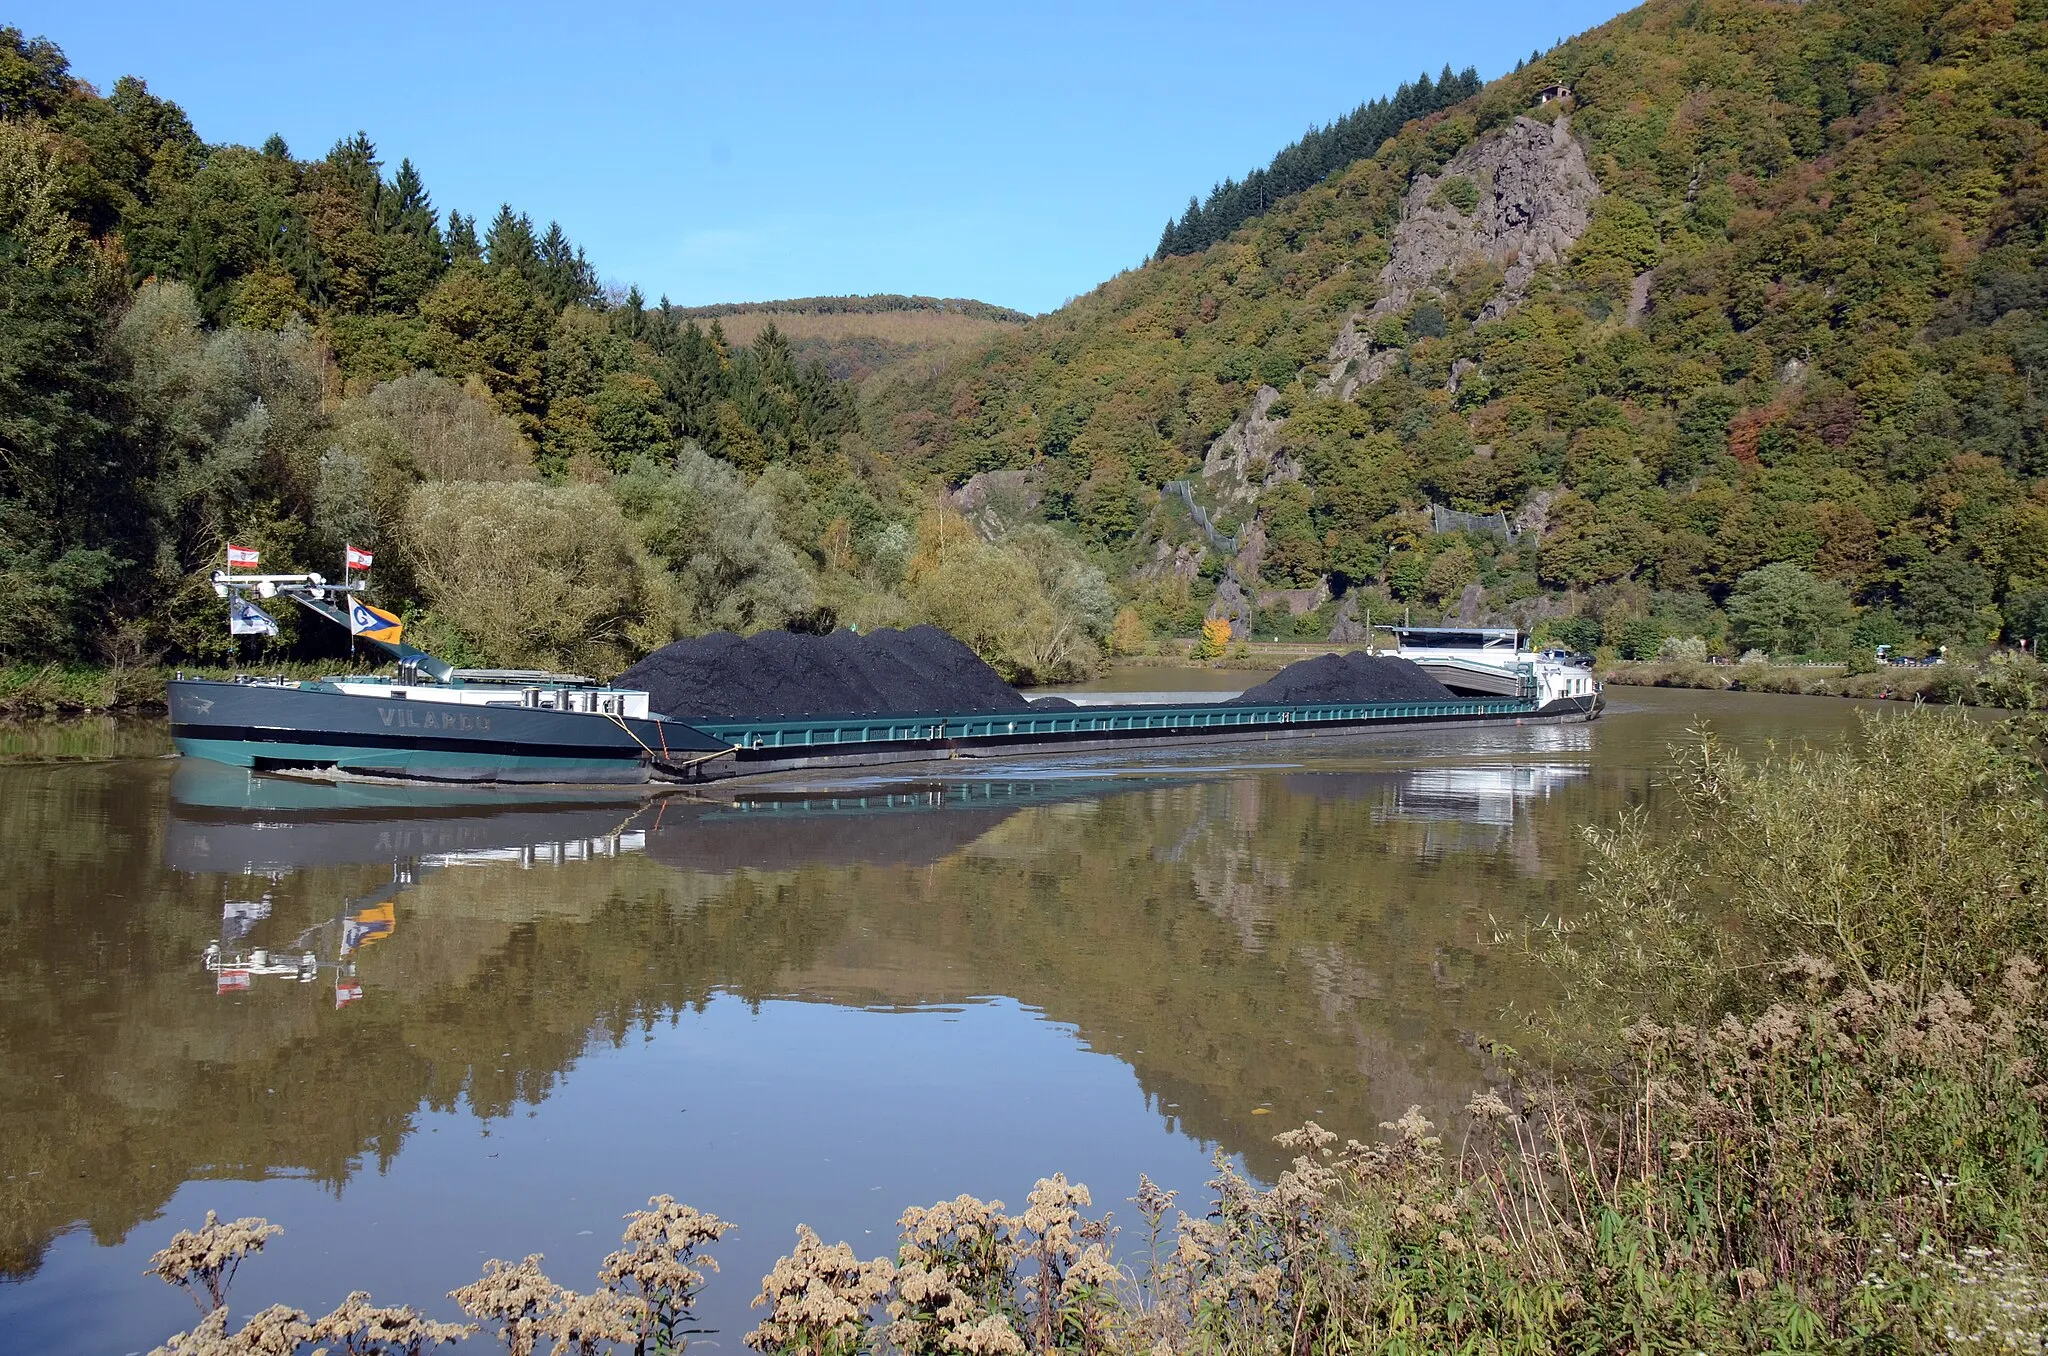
208	343
1741	339
1801	326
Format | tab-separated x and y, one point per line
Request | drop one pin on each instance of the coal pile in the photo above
1353	677
780	674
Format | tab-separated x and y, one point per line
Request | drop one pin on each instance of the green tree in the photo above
70	521
718	536
1948	597
1782	609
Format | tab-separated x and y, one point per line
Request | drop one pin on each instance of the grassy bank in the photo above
1821	1127
2006	681
32	690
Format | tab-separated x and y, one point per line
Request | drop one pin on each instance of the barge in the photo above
432	722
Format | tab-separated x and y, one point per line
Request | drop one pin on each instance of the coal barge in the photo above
435	723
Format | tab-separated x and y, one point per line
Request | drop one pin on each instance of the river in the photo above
818	1006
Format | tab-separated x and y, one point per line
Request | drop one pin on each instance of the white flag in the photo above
247	619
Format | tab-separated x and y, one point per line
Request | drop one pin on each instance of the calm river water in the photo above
818	1007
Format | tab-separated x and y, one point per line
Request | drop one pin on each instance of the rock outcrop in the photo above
1243	459
1526	198
996	500
1183	562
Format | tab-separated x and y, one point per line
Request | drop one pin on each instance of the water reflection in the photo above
815	1005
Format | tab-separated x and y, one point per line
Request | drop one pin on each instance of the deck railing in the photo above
1109	721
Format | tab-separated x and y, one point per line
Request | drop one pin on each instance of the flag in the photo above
353	559
374	622
245	556
347	991
230	981
247	619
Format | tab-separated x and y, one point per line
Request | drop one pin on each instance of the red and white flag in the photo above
355	559
245	556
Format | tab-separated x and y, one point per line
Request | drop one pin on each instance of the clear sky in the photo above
1018	154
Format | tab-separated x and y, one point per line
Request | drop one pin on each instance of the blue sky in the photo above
737	153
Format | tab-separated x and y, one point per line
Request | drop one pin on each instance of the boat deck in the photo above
762	746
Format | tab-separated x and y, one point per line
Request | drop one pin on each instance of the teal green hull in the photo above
404	762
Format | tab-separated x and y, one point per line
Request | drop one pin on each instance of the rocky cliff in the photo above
1515	201
1511	202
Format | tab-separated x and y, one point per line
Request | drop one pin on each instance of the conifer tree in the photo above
463	246
509	243
354	161
412	208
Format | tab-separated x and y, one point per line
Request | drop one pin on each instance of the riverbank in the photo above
44	690
2006	681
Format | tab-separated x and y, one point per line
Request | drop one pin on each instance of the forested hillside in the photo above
1728	318
1794	319
203	343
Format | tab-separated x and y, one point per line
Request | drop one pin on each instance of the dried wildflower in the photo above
517	1298
1152	1201
1811	973
818	1298
1492	1246
364	1329
2021	979
1451	1243
1643	1034
276	1331
1310	1136
586	1324
659	1264
1486	1105
1092	1270
970	1234
204	1262
990	1335
209	1338
1051	1211
1415	1129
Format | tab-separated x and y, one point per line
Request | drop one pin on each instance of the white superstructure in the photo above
1495	661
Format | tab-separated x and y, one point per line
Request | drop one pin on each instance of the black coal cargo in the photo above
780	674
1342	678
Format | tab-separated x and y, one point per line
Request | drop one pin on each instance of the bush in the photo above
1214	640
1689	650
1917	856
537	575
